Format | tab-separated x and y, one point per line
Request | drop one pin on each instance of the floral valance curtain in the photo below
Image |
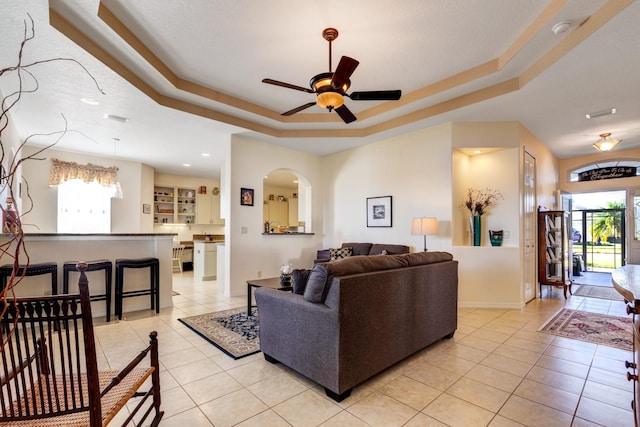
65	171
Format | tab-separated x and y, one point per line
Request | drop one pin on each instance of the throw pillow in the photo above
339	253
299	279
314	292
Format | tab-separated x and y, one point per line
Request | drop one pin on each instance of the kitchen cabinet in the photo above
174	205
208	209
205	260
553	250
277	213
293	212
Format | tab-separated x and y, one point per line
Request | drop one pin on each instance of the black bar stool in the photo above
154	282
97	265
32	270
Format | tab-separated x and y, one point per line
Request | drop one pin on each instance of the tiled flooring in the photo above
496	371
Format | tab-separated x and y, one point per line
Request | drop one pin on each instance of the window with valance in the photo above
65	171
84	196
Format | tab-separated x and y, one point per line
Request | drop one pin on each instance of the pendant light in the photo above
606	143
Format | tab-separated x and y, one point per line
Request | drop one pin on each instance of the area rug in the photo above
232	331
602	292
612	331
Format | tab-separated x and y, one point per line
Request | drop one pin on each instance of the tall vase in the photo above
475	230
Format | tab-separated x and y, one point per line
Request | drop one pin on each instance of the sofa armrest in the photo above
300	334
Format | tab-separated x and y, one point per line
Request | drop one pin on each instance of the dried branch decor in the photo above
12	245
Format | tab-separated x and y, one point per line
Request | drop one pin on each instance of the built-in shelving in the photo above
553	250
174	205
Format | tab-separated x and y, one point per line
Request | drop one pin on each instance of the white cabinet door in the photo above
208	209
203	209
204	261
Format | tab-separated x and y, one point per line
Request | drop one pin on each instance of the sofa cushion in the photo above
364	264
314	291
377	248
358	248
299	278
339	253
421	258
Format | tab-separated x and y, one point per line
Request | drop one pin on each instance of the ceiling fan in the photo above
331	87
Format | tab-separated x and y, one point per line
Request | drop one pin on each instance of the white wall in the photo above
125	213
415	169
250	254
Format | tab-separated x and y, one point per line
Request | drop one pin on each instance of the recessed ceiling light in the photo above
90	101
601	113
186	165
477	152
205	155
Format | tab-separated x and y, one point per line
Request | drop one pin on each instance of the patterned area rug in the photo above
612	331
603	292
232	331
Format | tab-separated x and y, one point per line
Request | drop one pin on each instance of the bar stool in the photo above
32	270
154	282
97	265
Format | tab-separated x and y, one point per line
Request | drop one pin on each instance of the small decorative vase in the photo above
475	230
495	237
285	274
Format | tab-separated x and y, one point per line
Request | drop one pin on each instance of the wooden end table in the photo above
271	282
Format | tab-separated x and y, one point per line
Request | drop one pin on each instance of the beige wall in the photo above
248	253
567	165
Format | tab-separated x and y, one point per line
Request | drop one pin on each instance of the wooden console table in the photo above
626	280
272	282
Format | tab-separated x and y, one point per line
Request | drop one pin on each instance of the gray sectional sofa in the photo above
359	249
355	317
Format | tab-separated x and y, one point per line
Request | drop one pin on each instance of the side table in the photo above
271	282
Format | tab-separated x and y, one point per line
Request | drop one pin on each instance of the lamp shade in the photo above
605	143
424	226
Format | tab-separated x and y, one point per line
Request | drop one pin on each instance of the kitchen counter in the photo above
59	248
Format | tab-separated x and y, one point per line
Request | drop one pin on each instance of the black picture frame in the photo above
379	211
246	197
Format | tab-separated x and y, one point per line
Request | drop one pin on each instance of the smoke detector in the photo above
561	27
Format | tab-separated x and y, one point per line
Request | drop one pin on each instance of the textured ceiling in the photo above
188	74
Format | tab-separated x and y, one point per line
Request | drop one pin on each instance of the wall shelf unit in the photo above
553	250
174	205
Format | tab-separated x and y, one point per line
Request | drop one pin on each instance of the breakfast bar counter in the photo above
59	248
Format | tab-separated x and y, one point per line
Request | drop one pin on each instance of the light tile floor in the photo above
496	371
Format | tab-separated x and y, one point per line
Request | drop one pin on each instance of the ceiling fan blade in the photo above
297	109
287	85
345	114
376	95
346	67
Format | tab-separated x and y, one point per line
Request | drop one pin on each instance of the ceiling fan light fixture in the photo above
330	100
606	143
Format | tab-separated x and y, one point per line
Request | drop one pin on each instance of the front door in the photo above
530	220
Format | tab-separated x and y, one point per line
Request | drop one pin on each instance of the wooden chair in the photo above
49	372
177	258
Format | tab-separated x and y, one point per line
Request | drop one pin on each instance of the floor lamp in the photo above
425	226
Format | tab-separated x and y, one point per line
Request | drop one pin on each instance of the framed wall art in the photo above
246	196
146	208
379	211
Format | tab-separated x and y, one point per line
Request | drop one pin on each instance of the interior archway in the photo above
286	202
